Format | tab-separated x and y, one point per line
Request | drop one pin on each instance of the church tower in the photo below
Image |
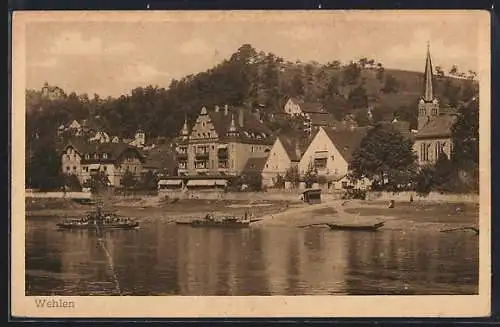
428	106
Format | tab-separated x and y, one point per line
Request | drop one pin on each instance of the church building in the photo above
433	135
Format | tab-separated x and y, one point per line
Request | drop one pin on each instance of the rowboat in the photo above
356	227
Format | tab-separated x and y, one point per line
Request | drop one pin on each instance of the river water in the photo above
162	258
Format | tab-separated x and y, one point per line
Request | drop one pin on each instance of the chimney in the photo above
217	108
226	109
240	117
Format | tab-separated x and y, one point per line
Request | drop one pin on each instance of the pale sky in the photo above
112	55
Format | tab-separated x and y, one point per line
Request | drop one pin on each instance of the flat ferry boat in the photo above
99	219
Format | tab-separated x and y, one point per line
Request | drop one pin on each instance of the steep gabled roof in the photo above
113	150
251	126
438	127
346	140
255	165
162	158
294	146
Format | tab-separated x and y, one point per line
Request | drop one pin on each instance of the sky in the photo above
111	55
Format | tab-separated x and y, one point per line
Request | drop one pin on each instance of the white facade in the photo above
277	163
324	157
292	108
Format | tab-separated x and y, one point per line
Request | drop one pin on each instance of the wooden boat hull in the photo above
93	226
371	228
220	224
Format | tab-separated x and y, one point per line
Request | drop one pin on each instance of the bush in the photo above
354	194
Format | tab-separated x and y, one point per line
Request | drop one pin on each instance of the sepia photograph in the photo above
210	163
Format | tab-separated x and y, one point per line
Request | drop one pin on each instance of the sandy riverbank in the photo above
405	216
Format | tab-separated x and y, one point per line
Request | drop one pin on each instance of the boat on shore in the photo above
357	227
99	219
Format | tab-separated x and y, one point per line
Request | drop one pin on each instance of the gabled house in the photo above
83	159
329	155
285	153
295	107
314	114
221	142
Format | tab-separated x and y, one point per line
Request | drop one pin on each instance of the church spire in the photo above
428	77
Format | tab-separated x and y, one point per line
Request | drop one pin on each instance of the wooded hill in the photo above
249	78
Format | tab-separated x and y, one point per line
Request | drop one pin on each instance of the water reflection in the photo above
166	259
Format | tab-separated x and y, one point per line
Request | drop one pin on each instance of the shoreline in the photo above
416	215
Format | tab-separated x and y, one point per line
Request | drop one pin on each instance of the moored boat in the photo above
224	222
99	219
356	227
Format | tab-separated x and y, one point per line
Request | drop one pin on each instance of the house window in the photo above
74	168
105	156
87	156
86	169
96	156
67	168
105	168
320	163
344	184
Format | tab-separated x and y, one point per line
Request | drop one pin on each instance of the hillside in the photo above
247	78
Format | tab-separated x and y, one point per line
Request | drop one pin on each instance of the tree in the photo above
451	92
380	72
128	181
297	85
44	168
465	137
443	173
292	176
311	175
363	62
351	74
72	183
454	70
358	97
391	85
425	180
439	71
150	181
386	157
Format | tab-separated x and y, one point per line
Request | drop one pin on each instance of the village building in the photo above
433	135
83	159
285	154
161	161
329	154
219	145
314	114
